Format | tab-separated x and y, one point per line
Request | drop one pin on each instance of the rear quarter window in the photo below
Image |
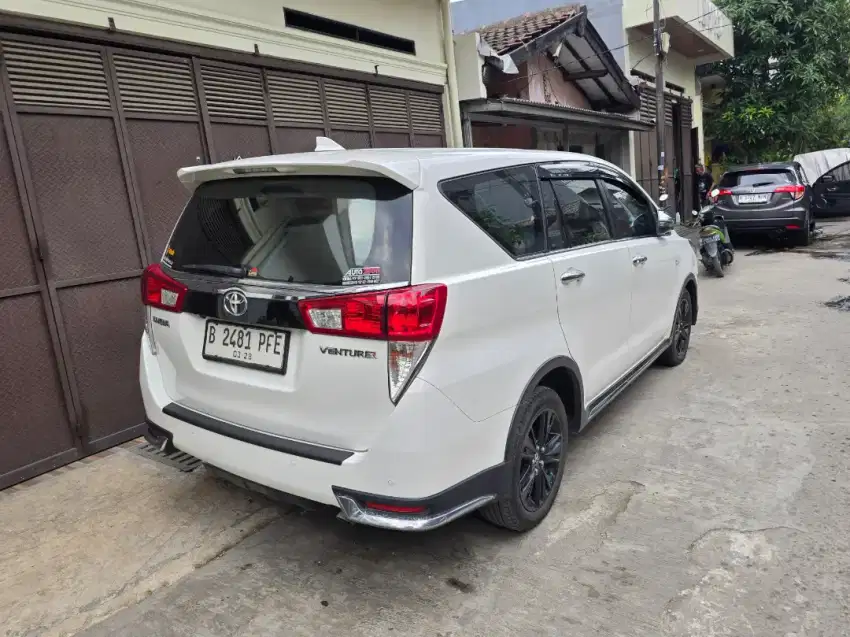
505	203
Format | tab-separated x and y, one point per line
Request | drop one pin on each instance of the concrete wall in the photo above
469	67
701	16
242	23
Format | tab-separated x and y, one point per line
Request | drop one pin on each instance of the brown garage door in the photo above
92	136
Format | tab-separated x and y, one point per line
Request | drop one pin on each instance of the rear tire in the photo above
528	488
680	341
804	237
717	266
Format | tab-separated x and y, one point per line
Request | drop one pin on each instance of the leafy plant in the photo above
785	89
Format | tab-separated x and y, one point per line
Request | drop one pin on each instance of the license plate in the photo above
753	198
255	347
713	238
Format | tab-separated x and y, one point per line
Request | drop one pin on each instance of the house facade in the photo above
101	101
546	80
698	33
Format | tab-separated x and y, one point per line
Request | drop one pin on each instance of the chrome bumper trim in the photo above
352	511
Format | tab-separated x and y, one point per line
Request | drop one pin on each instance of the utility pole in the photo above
660	113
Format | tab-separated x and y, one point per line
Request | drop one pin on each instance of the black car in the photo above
766	199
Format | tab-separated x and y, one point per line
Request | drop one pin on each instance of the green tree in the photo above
786	88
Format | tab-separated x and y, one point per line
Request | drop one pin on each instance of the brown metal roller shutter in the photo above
155	86
53	76
347	106
647	104
234	92
295	100
389	108
90	138
426	113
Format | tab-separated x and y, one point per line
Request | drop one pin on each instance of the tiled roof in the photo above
511	34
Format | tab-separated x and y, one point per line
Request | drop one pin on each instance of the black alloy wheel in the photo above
680	341
540	460
534	462
682	334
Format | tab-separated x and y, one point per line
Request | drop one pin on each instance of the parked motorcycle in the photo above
715	248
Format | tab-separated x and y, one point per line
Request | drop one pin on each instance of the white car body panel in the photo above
594	311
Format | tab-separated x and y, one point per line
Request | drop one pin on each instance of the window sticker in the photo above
362	276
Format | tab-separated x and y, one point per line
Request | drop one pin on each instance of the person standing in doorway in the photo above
704	183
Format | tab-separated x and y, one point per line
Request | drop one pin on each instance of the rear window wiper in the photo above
239	272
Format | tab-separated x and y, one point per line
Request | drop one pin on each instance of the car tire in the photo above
517	506
680	339
804	237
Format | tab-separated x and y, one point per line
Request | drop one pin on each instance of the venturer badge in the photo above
362	276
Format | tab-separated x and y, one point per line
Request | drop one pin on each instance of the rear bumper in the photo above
764	224
432	460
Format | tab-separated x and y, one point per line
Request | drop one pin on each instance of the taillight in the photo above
717	193
795	190
161	291
409	319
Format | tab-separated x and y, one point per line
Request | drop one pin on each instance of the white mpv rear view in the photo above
407	335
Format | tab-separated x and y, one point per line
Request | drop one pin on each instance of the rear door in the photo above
759	194
832	191
654	262
248	249
592	275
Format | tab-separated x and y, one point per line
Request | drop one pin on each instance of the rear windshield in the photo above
316	230
755	179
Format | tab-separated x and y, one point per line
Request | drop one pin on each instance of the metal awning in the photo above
507	110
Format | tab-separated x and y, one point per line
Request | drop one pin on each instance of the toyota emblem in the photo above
235	302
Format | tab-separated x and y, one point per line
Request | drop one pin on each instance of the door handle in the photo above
639	260
572	275
832	189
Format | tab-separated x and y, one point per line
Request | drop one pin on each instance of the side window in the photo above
631	214
505	204
582	211
840	173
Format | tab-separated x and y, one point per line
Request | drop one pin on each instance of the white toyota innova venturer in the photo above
408	335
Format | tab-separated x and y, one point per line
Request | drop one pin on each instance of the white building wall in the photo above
469	63
240	24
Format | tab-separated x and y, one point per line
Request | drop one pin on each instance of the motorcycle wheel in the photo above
717	267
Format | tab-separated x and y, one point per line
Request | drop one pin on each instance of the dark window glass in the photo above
755	179
317	24
582	211
320	230
631	214
841	173
552	214
505	204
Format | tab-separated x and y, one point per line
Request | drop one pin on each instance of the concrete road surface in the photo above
711	500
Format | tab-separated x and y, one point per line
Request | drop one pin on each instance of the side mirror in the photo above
828	179
666	225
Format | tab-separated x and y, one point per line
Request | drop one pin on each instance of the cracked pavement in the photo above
708	501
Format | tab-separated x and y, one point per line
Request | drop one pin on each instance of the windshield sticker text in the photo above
362	276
